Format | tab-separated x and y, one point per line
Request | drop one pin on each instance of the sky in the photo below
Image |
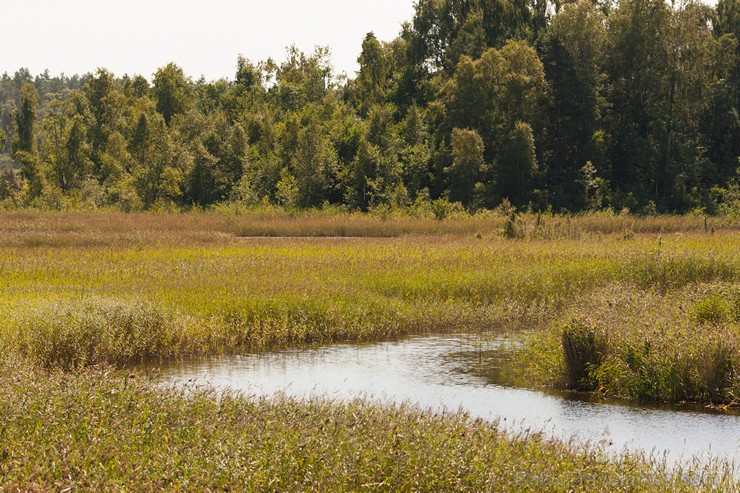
204	37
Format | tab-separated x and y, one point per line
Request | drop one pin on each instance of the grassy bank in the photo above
75	300
28	228
679	346
92	430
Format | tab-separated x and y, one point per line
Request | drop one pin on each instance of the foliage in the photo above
578	106
583	349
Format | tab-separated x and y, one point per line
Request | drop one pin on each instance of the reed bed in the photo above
176	291
679	346
29	228
639	308
92	430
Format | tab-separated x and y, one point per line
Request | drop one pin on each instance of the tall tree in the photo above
24	146
728	24
467	165
720	123
25	120
636	65
444	30
690	53
105	102
313	165
65	147
302	79
171	92
573	56
516	165
370	84
491	94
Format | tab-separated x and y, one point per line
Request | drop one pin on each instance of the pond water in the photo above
449	373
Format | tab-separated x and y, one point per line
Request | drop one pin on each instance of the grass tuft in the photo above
583	350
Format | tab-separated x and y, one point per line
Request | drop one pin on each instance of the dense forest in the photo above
561	106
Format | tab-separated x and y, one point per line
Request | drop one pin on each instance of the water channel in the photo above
449	373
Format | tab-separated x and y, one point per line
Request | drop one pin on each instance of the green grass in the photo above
197	291
647	345
237	294
638	308
93	430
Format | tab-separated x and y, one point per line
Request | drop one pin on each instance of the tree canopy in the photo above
570	105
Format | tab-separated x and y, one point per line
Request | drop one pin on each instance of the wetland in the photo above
384	350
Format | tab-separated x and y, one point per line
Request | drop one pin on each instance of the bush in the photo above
717	309
512	229
441	208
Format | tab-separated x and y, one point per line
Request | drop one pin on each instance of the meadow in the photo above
643	308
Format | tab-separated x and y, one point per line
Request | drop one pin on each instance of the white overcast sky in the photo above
204	37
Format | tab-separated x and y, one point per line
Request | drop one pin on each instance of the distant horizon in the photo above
78	37
230	78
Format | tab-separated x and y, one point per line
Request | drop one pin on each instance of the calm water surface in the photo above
447	373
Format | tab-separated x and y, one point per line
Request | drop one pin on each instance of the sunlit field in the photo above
645	309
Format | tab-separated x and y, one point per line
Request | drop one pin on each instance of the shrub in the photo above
441	208
512	230
714	309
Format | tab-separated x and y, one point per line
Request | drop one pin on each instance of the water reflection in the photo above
464	372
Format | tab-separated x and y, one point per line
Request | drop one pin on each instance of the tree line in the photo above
563	105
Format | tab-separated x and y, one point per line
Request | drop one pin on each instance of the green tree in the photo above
573	56
443	30
159	152
74	163
491	94
636	66
9	185
171	92
25	121
727	23
24	145
467	165
416	150
54	132
31	171
720	127
207	182
471	39
105	102
302	79
140	139
720	123
364	169
313	165
466	103
370	84
516	165
287	192
691	52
